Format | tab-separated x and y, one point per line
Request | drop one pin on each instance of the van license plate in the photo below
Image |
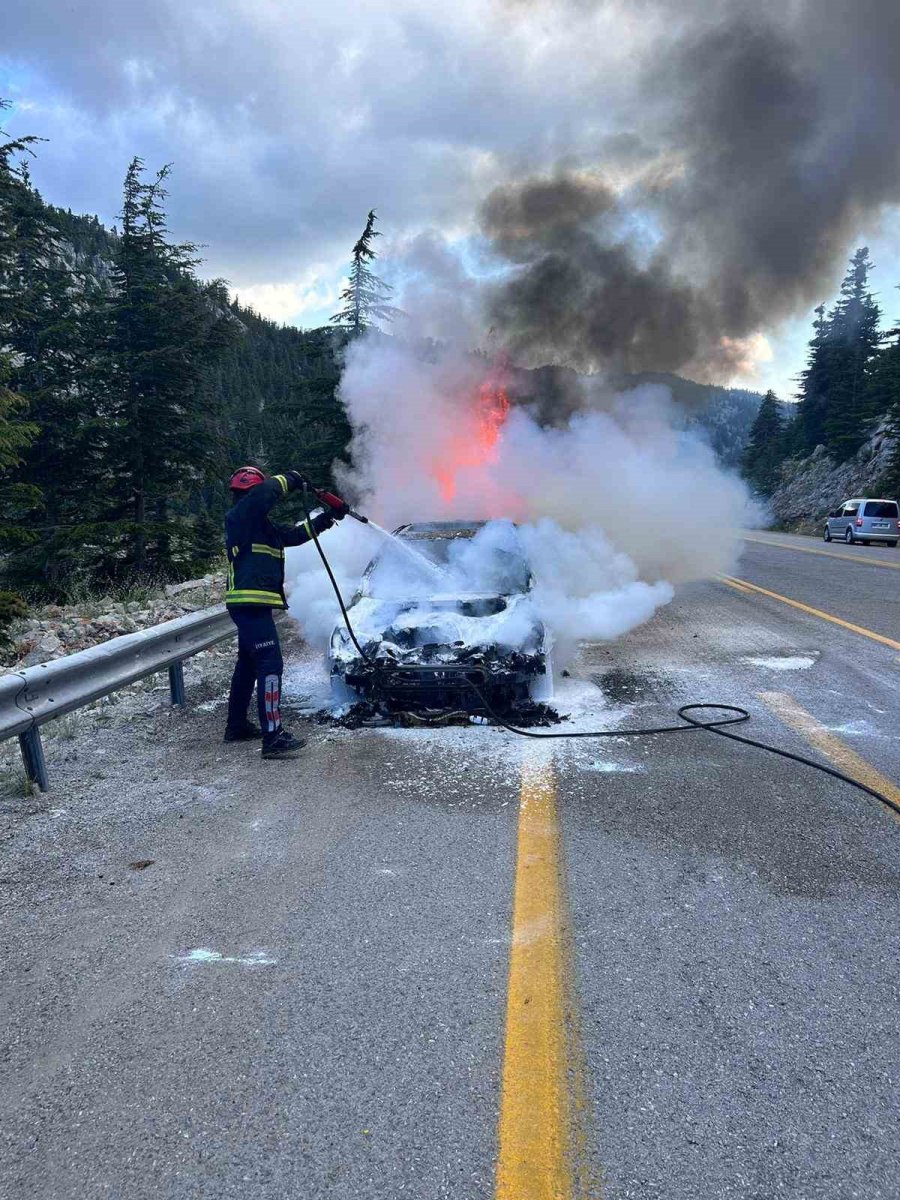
880	525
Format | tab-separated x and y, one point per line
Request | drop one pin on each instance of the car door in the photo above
836	523
847	517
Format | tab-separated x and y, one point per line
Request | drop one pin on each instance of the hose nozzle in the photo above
333	501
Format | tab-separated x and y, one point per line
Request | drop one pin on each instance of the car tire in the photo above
893	545
826	534
848	537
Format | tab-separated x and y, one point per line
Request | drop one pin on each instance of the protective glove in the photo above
298	479
340	512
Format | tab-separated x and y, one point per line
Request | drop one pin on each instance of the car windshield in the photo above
881	508
417	564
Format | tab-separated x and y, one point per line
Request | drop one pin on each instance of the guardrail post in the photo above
33	758
176	684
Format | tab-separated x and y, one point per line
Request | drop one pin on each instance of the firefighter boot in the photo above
283	745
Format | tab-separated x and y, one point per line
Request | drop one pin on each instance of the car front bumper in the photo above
402	687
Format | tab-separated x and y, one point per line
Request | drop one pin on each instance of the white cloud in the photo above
292	302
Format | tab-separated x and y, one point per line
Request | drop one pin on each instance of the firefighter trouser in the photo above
259	662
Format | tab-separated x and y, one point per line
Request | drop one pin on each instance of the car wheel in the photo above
826	534
848	536
893	545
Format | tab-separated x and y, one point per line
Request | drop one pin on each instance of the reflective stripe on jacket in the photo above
255	545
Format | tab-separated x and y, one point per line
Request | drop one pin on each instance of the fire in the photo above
475	445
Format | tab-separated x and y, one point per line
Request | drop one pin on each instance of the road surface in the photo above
454	963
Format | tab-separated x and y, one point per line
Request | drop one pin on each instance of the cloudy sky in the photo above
643	184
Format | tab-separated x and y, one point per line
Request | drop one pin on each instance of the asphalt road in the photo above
454	963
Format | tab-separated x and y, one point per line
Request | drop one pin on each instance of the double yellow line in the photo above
543	1110
854	558
743	585
789	711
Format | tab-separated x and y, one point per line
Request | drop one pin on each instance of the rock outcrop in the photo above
811	487
56	630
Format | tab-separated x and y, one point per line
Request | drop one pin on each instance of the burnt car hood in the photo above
435	629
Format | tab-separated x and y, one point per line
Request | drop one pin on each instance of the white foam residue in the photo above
614	768
861	728
201	955
782	662
306	684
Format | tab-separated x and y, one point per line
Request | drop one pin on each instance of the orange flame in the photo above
476	443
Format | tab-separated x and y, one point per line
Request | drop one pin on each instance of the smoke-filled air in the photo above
715	198
613	508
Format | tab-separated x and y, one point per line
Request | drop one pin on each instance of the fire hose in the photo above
689	722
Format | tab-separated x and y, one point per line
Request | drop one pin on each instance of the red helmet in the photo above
246	478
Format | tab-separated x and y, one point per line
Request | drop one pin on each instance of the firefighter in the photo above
255	547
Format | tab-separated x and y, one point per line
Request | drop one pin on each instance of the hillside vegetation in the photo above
842	437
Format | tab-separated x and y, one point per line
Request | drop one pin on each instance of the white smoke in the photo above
614	509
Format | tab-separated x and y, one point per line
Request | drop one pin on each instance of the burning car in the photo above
445	604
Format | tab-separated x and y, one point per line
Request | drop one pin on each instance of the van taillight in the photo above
859	522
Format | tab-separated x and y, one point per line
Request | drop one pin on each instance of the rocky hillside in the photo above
55	630
812	487
723	416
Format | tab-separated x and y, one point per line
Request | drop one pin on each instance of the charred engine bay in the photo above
433	681
375	713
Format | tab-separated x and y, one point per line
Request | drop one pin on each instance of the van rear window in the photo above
880	508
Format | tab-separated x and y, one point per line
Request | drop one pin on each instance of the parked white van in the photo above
864	521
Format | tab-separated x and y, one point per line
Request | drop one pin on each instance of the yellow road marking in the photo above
533	1161
854	558
789	711
743	584
739	587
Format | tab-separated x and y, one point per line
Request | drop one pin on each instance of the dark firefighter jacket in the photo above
255	545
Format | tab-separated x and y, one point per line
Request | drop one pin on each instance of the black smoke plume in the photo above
769	138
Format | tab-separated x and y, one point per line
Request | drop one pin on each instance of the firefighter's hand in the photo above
299	480
339	511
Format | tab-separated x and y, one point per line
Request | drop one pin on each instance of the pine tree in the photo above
16	431
310	424
853	341
884	399
165	334
54	339
366	297
814	386
765	448
835	407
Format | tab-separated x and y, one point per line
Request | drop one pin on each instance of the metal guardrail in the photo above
34	695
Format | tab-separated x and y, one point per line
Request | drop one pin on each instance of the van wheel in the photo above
826	535
848	536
